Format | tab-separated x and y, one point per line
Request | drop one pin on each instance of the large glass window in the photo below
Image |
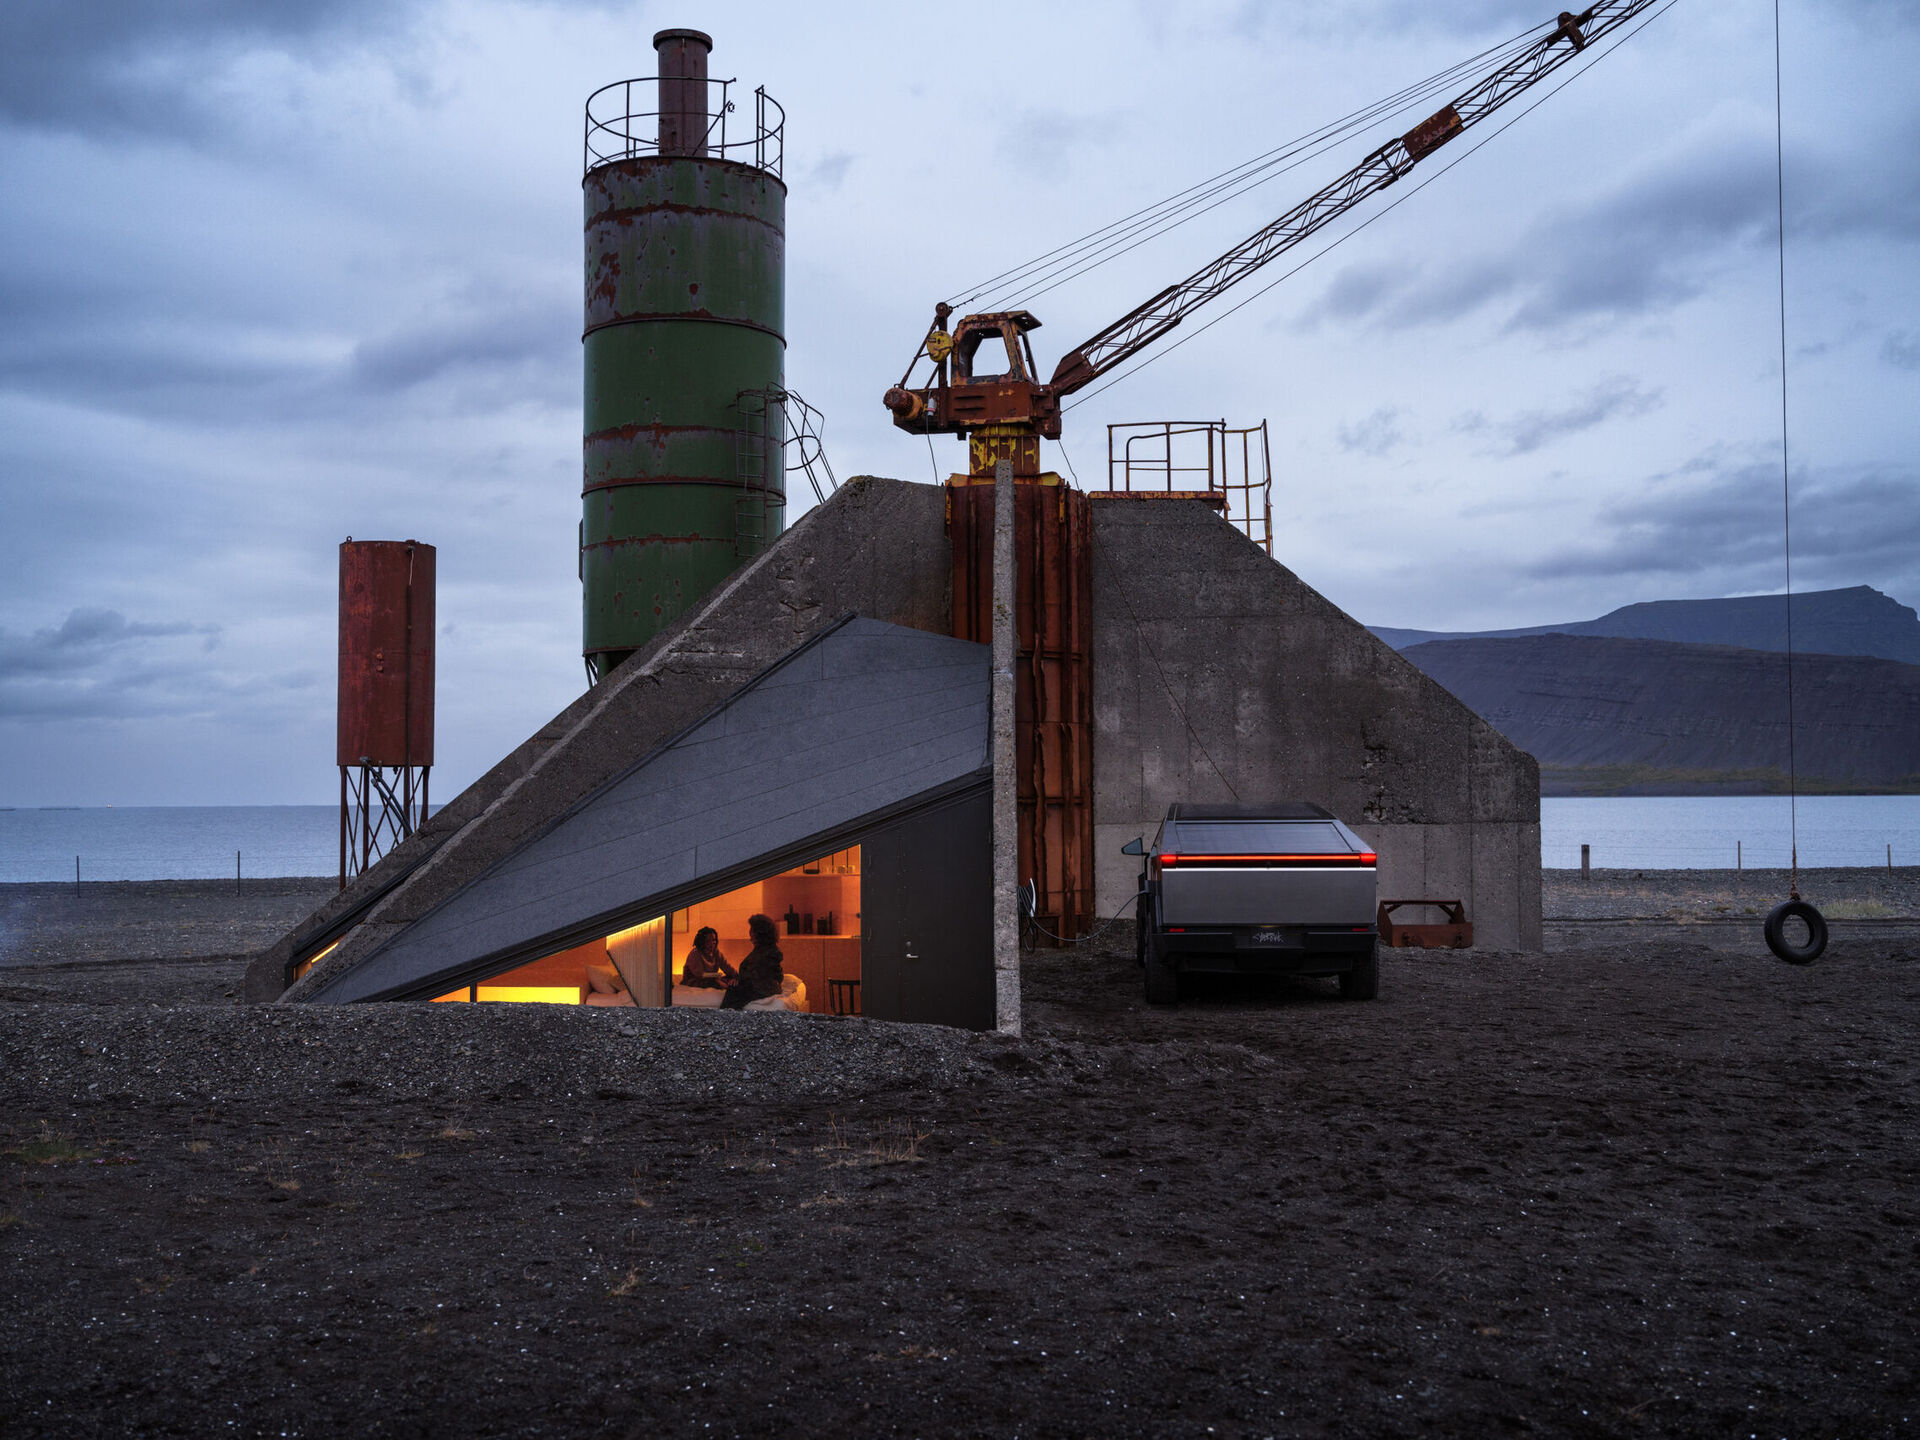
815	910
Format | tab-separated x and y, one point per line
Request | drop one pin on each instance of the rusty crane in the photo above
1004	413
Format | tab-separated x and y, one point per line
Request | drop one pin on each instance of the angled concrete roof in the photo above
876	546
855	723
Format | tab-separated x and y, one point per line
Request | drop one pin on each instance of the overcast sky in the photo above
275	274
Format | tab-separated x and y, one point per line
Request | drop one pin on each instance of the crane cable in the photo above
1173	220
1251	177
1186	204
1163	351
1313	141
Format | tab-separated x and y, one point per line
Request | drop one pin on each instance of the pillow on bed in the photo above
605	980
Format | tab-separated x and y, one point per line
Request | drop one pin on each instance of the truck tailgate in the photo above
1196	894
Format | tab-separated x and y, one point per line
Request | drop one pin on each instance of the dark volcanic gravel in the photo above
1644	1189
143	919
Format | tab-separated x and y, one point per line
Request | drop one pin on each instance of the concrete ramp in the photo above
877	547
856	725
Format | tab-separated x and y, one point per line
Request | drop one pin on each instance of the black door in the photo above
926	899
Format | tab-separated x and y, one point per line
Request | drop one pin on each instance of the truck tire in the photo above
1163	983
1362	982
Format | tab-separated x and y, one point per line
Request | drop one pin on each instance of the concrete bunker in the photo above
1218	675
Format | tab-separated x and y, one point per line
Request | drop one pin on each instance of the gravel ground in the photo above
1860	893
1649	1188
146	919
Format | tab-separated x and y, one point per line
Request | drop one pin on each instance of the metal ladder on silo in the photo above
751	467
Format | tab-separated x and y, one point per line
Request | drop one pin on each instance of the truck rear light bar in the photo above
1364	857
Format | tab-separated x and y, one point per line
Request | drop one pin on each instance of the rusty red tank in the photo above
386	653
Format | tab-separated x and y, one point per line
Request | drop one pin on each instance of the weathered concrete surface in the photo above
877	546
1219	675
1006	791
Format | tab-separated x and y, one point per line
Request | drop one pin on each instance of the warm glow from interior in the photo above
460	994
300	970
535	994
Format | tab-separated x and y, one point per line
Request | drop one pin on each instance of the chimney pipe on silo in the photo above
683	90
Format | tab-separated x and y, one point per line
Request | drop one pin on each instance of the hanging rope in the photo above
1792	948
1786	492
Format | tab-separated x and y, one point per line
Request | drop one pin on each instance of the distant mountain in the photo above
1610	715
1855	621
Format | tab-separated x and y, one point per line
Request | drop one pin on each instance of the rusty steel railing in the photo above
616	131
1205	457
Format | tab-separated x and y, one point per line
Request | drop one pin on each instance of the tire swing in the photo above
1792	915
1779	940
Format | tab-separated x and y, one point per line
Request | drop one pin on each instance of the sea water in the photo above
1629	832
1680	832
173	842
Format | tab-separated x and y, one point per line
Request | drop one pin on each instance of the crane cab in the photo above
983	374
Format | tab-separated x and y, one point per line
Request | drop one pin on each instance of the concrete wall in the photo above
1219	675
877	546
1216	673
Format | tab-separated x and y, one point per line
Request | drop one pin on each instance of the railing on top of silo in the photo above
615	131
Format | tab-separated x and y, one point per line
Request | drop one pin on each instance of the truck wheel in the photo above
1363	981
1163	985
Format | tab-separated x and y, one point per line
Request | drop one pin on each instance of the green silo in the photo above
684	345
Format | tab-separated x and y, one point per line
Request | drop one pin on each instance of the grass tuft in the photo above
50	1147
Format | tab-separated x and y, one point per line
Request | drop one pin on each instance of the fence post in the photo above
236	872
1738	863
1585	863
76	875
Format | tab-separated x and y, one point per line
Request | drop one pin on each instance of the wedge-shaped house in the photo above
843	792
810	742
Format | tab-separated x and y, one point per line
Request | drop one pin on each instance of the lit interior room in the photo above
815	908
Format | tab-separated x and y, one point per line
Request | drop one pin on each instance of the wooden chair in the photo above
843	997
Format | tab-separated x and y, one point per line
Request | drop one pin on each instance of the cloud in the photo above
1653	241
1902	349
114	66
1377	434
85	638
1043	139
1615	396
97	663
1720	517
508	338
830	171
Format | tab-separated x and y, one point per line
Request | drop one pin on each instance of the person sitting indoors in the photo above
705	967
762	972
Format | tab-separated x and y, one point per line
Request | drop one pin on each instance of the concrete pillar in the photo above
1006	799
